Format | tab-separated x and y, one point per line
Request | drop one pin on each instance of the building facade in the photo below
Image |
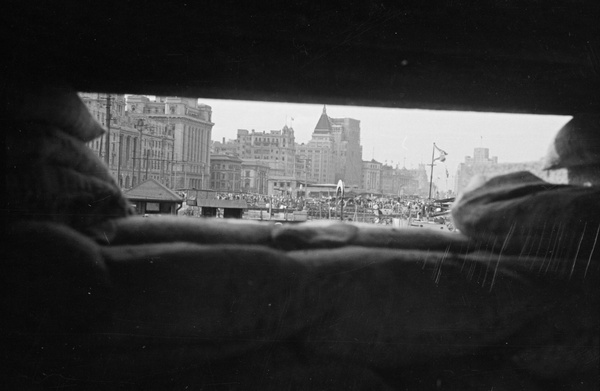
479	163
230	147
190	123
407	182
275	148
347	150
225	173
255	176
139	148
371	176
315	162
389	180
481	156
284	186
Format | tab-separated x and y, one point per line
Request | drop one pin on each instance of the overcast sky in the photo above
404	137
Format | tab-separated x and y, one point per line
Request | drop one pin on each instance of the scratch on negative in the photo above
591	252
506	240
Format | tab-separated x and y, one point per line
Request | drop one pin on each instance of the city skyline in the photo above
402	136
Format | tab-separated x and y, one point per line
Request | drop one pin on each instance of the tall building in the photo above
139	148
191	125
371	176
423	179
481	156
347	150
389	180
384	179
466	171
335	143
275	148
316	162
480	162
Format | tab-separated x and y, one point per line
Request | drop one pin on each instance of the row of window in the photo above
310	151
267	157
219	166
221	175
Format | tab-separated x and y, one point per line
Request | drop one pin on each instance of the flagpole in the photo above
431	178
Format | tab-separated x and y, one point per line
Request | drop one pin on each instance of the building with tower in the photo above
482	164
334	151
481	156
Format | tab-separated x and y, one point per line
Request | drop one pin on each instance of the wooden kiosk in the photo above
210	205
153	198
231	208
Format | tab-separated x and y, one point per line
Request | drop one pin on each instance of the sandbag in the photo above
217	294
168	229
51	175
520	213
392	308
54	280
56	298
333	234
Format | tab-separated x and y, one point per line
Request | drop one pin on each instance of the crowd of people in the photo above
378	209
264	201
402	207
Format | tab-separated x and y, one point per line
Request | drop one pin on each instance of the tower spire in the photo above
325	109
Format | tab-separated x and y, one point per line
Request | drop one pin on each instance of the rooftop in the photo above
152	190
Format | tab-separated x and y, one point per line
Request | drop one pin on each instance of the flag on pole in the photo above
443	154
